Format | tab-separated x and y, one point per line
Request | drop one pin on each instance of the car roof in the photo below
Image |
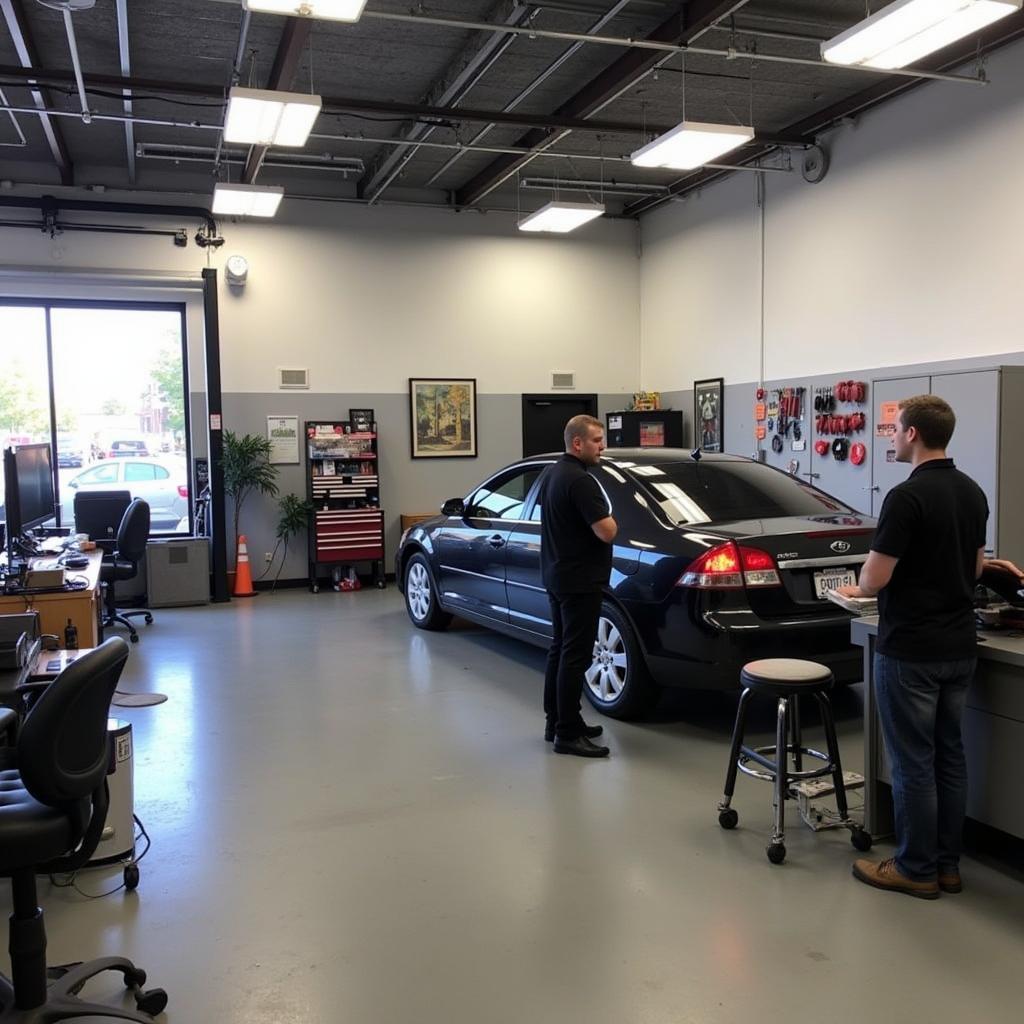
653	456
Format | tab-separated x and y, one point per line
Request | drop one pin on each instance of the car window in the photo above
98	475
141	471
703	492
503	497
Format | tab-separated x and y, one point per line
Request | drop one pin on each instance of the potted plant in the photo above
247	470
293	515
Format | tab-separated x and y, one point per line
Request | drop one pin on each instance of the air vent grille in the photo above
563	380
293	380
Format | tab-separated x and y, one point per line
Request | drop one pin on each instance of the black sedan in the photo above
719	560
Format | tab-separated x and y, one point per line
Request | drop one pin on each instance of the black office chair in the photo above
53	806
123	564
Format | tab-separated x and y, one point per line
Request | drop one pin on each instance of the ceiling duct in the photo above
209	154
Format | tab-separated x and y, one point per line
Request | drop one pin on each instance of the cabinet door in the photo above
885	473
974	396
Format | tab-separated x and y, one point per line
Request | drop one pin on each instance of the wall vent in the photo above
293	380
564	381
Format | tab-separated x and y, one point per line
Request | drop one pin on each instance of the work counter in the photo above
993	730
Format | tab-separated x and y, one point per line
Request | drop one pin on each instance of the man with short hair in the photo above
577	530
925	559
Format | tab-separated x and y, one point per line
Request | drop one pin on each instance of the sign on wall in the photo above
283	434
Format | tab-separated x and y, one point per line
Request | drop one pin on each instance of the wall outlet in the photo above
268	556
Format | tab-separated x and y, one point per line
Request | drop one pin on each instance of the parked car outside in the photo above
160	482
70	452
127	446
719	560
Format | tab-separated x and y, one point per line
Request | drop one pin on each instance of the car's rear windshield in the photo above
704	492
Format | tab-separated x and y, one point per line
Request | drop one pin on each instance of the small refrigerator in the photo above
660	428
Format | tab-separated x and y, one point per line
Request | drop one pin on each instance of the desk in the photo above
82	607
993	731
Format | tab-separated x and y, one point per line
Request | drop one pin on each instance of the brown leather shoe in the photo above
885	875
951	882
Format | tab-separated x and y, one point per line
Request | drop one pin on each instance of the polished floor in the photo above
356	821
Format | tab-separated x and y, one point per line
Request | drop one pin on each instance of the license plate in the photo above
833	579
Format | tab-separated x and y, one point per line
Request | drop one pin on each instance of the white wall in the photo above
907	252
367	298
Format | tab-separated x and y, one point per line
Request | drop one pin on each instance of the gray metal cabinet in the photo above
885	472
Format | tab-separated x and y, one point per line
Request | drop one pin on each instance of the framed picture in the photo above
361	420
442	414
708	415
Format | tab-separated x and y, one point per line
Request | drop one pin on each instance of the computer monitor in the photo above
34	468
12	506
98	514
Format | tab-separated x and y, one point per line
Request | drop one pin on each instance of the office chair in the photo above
53	806
123	564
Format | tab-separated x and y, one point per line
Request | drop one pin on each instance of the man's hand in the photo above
1005	564
850	591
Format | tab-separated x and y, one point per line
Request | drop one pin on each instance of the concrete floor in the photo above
356	821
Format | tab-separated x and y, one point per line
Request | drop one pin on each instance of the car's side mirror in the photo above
73	484
453	507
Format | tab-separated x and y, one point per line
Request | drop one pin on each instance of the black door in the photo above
545	417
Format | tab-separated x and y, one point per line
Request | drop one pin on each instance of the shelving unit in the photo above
343	481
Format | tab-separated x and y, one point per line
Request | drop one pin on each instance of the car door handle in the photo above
496	541
877	487
811	476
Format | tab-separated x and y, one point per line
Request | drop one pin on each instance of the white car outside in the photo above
162	483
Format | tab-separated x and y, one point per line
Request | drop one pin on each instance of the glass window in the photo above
140	471
702	492
503	497
106	474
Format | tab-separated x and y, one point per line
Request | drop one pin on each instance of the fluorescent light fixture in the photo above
246	200
328	10
262	117
559	217
691	144
907	30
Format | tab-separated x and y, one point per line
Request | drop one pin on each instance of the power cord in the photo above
70	880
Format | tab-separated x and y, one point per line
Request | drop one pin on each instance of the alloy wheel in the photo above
417	591
606	676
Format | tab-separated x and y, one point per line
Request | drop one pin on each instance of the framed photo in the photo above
442	414
361	420
708	415
283	435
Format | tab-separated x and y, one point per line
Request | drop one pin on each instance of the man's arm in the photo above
874	576
605	529
1002	563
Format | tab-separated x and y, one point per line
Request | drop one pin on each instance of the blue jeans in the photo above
920	704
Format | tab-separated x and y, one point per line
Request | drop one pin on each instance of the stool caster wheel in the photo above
148	619
136	978
861	839
728	818
134	637
131	881
152	1002
776	853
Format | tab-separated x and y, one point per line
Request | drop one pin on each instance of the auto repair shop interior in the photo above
339	264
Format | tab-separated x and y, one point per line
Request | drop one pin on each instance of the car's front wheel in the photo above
421	596
618	683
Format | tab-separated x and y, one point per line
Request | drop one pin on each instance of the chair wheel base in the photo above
152	1002
728	818
776	852
861	839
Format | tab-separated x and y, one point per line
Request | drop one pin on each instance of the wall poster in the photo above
283	434
708	416
442	414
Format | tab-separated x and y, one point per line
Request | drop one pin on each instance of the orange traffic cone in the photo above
243	577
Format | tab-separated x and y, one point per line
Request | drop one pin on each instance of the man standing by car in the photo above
577	531
926	556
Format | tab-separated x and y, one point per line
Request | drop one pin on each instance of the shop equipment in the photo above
786	680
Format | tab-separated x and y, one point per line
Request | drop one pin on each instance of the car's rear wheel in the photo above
421	596
618	683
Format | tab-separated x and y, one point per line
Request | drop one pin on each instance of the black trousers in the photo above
574	623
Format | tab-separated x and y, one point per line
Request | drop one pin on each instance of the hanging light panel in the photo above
560	217
265	117
691	144
246	200
907	30
328	10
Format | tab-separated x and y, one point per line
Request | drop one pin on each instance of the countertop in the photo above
994	645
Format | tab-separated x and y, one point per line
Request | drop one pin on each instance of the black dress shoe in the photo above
590	731
581	747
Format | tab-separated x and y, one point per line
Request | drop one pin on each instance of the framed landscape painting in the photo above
443	416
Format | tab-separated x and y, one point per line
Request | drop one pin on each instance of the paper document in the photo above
857	605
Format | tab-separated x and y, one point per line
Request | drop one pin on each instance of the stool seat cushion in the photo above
789	674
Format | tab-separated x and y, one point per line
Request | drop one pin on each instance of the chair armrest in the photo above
8	725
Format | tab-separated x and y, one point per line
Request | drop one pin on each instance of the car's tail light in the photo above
729	566
182	490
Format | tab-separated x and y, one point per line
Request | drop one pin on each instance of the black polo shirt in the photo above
934	523
573	559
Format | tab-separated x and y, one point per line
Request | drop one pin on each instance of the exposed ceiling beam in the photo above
282	73
684	25
126	70
475	61
21	36
1000	34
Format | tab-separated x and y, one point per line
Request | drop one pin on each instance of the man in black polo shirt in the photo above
577	531
925	559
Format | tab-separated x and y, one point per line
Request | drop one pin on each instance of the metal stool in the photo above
786	679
